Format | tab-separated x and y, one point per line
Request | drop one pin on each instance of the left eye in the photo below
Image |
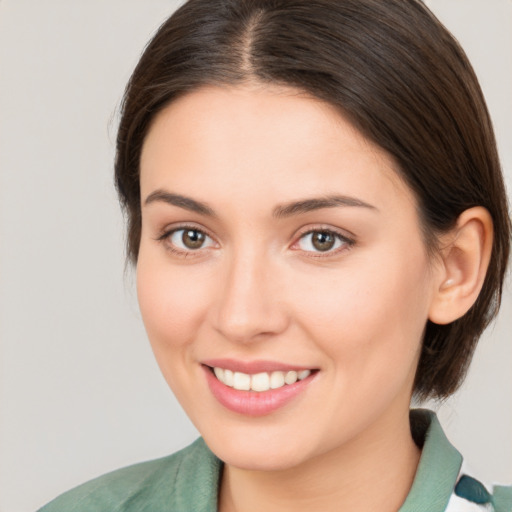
321	241
190	239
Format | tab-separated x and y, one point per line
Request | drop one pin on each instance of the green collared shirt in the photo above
188	481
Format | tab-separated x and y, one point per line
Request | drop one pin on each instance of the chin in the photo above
263	452
260	460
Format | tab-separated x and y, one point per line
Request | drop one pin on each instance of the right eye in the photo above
186	240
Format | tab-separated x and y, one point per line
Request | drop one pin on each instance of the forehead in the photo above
263	141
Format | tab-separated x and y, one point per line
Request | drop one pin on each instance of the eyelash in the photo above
347	243
166	235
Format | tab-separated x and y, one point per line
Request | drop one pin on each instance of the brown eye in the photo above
192	238
189	239
322	241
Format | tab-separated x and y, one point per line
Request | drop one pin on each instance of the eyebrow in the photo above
308	205
279	212
181	201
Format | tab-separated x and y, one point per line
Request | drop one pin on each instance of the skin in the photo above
259	290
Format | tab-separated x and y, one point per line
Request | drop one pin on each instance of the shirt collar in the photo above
439	465
198	477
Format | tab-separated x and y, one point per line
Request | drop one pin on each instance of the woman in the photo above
320	228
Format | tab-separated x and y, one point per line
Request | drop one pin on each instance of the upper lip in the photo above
253	367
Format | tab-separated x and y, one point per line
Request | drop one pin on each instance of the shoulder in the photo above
443	482
150	485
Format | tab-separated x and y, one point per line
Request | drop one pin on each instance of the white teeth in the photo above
260	381
219	373
290	377
276	380
228	378
242	381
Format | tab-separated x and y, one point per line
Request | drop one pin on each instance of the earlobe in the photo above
463	265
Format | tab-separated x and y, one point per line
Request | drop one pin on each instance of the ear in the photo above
460	275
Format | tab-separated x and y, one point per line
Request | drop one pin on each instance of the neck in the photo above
373	472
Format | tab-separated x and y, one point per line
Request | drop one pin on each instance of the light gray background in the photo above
80	393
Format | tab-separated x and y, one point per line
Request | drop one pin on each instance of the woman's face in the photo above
276	239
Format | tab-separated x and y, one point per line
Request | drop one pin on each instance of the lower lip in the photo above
255	403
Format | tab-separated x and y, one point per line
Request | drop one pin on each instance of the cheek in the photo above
369	317
172	301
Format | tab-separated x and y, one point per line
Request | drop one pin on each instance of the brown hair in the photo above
399	76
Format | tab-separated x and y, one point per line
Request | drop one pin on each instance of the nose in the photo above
250	305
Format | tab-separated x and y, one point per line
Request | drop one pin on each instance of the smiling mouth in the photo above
256	388
259	382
